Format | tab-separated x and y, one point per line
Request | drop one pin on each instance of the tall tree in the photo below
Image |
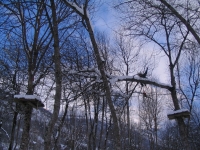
26	26
127	54
84	14
150	20
150	109
58	74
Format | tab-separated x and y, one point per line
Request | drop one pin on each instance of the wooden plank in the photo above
33	102
184	114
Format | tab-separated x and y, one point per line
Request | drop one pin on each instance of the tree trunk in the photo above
27	124
106	86
17	133
16	88
102	125
60	127
13	130
180	121
28	111
58	79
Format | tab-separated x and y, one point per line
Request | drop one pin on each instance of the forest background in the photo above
107	73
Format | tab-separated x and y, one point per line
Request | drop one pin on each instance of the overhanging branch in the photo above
114	79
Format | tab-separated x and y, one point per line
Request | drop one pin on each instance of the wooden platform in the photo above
32	100
179	113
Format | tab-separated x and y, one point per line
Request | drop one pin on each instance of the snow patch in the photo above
177	111
72	72
80	10
27	97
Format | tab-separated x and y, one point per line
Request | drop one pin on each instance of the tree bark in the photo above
60	127
58	78
180	121
16	88
27	124
28	110
13	130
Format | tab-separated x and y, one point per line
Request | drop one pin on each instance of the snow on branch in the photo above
94	73
82	12
5	132
86	72
177	111
114	79
75	7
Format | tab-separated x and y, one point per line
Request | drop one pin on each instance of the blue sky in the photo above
105	19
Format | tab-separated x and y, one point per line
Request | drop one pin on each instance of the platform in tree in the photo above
179	113
32	100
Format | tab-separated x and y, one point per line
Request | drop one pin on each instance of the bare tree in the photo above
149	22
11	67
127	54
189	88
26	27
192	12
58	74
87	24
150	112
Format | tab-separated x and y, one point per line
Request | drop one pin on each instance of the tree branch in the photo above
186	23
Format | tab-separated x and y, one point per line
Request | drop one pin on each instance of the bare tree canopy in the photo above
99	90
